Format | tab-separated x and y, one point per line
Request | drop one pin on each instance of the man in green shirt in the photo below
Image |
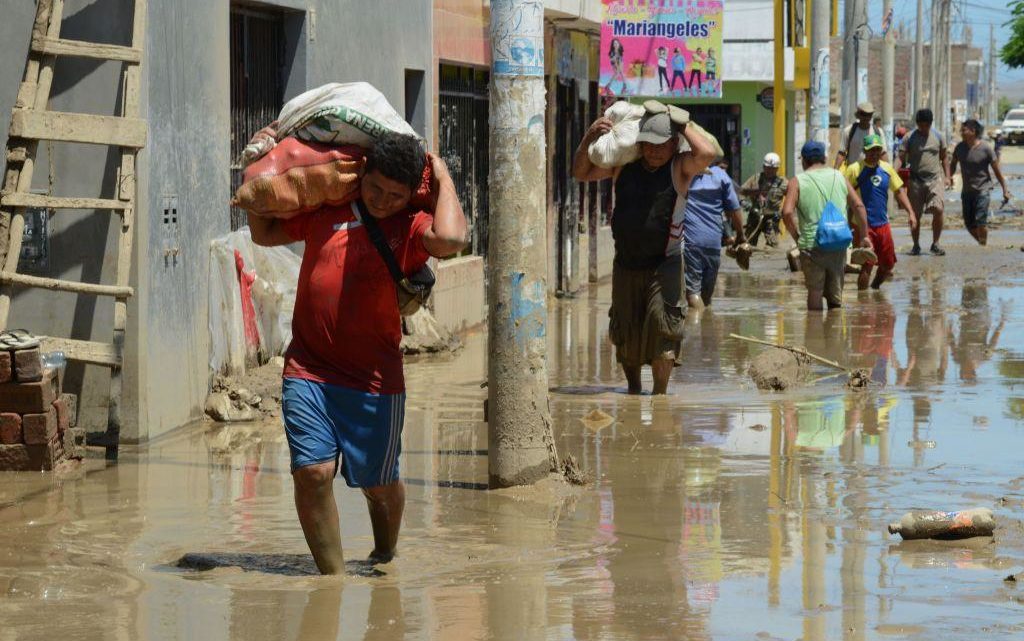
806	197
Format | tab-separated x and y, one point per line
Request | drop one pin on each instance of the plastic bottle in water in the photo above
925	524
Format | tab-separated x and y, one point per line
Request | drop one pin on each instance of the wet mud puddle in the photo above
717	512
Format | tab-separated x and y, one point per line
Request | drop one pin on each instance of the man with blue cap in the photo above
807	197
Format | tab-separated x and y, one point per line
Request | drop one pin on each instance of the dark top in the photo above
644	201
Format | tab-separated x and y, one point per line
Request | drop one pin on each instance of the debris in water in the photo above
759	427
596	420
859	379
920	524
776	369
573	473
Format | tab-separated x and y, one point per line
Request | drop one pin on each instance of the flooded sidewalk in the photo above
717	512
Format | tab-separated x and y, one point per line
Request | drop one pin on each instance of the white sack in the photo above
352	113
618	147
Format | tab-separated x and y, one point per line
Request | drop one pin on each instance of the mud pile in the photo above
779	369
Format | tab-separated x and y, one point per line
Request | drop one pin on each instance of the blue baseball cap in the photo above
813	150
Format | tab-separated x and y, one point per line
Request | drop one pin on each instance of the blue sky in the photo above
978	14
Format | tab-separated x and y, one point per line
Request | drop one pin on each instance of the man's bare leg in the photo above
936	226
880	277
864	278
915	230
694	302
814	300
633	378
318	514
982	234
662	370
386	504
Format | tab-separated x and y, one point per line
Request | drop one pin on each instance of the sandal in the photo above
17	339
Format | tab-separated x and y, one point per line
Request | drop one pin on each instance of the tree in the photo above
1012	53
1005	105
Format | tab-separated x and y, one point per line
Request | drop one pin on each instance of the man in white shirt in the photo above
851	144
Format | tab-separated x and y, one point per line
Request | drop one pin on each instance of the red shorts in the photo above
881	242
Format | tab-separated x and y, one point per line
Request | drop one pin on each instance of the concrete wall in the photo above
458	297
186	101
752	116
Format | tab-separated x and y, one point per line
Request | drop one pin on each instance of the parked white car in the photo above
1013	126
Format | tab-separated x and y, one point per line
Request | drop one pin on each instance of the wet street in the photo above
717	512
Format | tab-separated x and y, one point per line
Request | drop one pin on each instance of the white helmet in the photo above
771	159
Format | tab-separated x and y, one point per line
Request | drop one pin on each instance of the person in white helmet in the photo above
765	190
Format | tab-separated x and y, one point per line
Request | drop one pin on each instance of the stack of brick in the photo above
37	421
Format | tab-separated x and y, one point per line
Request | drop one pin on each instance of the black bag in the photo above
413	291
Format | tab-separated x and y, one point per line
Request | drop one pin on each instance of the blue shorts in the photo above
323	422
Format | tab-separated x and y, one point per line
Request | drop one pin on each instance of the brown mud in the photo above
715	512
778	369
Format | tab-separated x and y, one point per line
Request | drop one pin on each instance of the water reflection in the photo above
717	512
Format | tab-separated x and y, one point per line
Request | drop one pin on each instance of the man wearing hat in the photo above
874	179
807	196
851	147
767	188
646	317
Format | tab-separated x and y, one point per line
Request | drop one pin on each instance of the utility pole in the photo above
933	63
848	94
942	25
888	72
860	19
521	446
779	87
820	42
919	59
993	103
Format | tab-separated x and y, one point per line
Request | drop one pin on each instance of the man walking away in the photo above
646	316
874	179
924	153
851	146
344	390
806	199
767	189
975	157
711	195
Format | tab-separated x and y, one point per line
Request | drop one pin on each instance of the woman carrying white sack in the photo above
647	314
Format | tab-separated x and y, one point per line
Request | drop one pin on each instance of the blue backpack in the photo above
834	232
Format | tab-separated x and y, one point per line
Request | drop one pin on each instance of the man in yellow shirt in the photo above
874	179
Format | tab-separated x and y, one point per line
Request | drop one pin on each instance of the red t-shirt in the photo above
346	329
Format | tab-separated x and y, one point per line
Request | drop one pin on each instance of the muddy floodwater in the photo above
717	512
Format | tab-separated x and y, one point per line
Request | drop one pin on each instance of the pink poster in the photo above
661	48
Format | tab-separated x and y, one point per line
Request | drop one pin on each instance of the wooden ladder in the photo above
32	121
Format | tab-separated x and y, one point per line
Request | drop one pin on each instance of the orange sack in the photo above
297	177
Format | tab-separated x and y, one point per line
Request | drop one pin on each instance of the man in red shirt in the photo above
344	391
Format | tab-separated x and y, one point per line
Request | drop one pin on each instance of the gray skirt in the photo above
645	322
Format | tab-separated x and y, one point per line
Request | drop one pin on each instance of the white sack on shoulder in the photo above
353	113
618	147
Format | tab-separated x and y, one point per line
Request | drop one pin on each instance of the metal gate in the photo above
569	116
257	88
723	122
464	142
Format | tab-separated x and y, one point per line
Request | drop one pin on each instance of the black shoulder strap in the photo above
378	240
